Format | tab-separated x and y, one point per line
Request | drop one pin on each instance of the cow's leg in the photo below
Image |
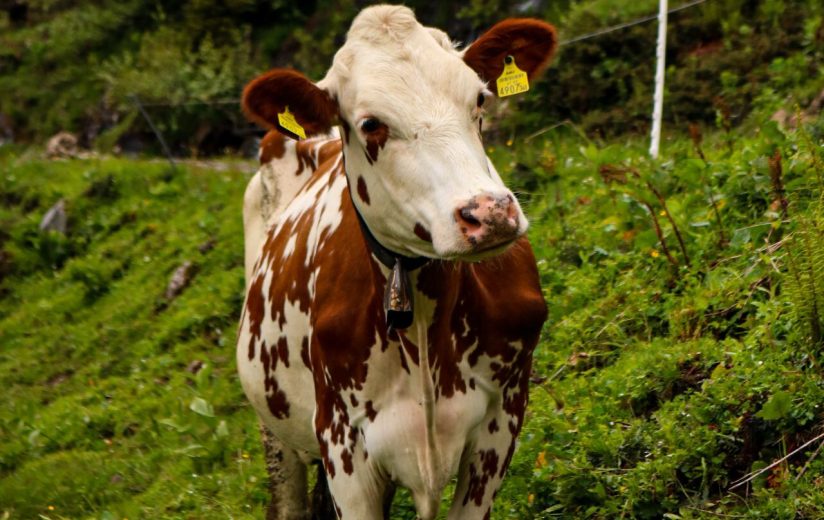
359	496
483	466
287	480
322	506
388	496
358	490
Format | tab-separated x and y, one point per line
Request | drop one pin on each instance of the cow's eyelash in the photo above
483	96
371	124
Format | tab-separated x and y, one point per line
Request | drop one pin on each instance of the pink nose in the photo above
488	220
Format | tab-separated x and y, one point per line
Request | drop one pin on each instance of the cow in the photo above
393	302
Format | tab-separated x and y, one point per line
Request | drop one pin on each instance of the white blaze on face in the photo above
426	160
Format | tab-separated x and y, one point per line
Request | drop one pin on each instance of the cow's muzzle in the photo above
487	221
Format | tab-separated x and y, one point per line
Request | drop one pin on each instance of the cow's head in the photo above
410	107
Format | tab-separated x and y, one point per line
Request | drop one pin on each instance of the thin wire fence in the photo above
626	25
561	43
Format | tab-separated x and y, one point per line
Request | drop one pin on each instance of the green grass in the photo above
656	385
98	415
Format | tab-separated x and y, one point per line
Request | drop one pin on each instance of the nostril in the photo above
465	215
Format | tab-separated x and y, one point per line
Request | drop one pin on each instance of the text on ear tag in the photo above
512	80
288	122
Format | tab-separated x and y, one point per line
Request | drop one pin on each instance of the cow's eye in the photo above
481	99
370	125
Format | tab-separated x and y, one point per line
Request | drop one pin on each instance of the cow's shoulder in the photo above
348	289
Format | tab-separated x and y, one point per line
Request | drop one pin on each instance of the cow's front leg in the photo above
359	489
483	466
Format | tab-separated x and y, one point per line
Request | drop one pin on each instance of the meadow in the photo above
681	353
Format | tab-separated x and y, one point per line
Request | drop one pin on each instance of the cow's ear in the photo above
270	94
530	42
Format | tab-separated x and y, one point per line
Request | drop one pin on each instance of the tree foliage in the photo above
73	65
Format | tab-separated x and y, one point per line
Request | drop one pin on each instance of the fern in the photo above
804	280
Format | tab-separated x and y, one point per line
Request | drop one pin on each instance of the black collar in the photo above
386	256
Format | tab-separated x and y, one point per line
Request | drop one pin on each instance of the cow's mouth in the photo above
485	252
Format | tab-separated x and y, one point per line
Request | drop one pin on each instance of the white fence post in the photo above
658	101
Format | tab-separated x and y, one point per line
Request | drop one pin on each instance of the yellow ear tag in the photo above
287	121
513	80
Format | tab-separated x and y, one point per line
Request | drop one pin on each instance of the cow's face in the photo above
410	109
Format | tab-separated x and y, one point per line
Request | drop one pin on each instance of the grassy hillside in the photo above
676	363
117	402
673	363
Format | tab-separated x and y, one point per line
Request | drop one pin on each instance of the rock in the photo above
781	116
207	246
62	145
59	378
195	366
180	279
789	120
55	218
816	105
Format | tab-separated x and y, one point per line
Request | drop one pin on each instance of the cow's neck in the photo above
398	296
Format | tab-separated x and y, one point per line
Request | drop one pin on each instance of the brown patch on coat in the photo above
337	371
272	146
371	413
275	397
328	465
478	477
346	457
291	286
329	151
255	311
363	192
422	233
304	352
305	154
